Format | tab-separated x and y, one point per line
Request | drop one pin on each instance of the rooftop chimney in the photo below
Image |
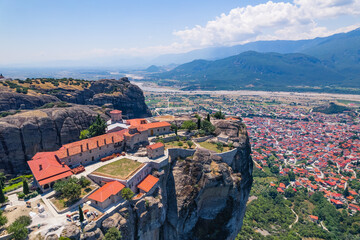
62	164
40	167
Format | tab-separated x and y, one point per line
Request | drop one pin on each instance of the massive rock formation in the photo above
200	197
24	134
120	94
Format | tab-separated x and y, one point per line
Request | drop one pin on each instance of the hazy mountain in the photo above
255	70
318	47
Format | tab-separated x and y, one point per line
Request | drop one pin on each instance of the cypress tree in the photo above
2	196
81	214
208	117
25	187
199	123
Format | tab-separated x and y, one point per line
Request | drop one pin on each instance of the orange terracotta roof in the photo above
148	183
103	193
156	125
55	178
314	217
115	111
91	143
45	165
136	121
155	146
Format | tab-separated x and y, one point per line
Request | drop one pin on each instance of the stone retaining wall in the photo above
228	157
179	152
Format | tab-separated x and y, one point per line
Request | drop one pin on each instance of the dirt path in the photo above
296	220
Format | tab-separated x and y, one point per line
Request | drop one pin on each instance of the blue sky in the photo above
42	30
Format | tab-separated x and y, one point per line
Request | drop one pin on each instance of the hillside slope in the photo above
255	70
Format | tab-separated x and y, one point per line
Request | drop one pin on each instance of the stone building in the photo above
155	150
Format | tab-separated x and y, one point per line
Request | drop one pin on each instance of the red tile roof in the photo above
91	143
156	125
148	183
155	146
45	165
314	217
55	178
103	193
115	112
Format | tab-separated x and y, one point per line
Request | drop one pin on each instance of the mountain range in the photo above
322	64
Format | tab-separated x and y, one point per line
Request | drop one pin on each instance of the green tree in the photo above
311	178
291	175
207	126
18	228
219	115
98	127
24	220
274	170
3	219
2	179
84	134
70	188
2	196
346	192
208	117
81	214
189	143
220	146
198	123
84	182
113	234
25	187
127	194
18	231
189	125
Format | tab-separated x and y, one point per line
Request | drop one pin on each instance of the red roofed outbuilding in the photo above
107	194
148	185
155	150
47	169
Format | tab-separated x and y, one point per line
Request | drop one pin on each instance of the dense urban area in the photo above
306	154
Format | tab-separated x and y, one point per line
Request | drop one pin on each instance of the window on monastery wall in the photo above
99	148
90	151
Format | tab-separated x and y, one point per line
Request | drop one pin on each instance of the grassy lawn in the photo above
119	169
62	203
212	147
175	144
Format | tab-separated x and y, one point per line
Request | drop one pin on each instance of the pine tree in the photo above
208	117
346	192
25	187
199	123
81	214
2	196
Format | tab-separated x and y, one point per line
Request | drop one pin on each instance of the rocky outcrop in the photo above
24	134
120	94
15	101
200	197
71	231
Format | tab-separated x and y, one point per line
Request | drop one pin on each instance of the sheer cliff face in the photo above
200	197
206	197
120	94
24	134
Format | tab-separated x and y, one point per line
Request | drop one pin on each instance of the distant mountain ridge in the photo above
279	46
330	64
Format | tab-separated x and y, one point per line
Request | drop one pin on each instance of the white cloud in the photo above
269	21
